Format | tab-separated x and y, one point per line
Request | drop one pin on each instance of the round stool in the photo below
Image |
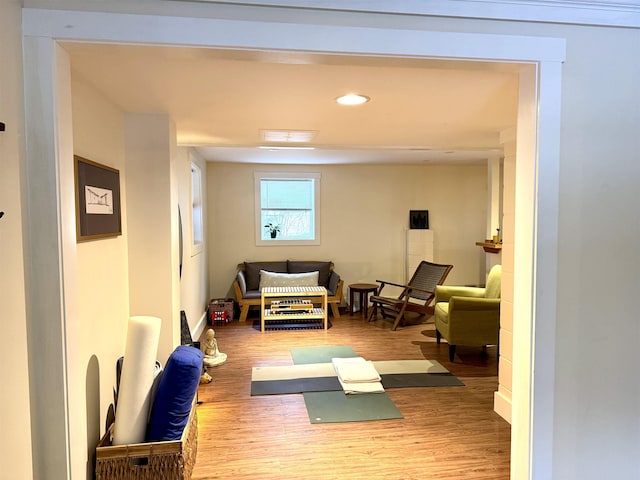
363	290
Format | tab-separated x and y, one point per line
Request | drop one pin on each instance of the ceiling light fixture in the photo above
288	136
352	99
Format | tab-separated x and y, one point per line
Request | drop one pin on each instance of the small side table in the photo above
363	290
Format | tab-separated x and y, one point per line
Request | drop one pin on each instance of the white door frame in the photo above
537	163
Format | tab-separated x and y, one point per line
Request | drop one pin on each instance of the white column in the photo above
419	247
503	397
152	209
494	207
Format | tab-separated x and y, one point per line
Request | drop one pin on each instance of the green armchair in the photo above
469	315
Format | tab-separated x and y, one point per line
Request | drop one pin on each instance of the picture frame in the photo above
419	219
97	200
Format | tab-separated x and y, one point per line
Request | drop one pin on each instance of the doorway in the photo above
536	176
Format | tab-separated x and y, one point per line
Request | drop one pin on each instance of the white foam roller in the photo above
138	369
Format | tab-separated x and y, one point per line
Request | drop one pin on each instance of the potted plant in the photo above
273	229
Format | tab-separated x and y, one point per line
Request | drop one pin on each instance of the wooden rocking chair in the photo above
415	297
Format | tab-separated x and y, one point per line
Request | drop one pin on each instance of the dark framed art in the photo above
97	200
418	219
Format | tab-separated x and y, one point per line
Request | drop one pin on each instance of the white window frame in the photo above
197	223
259	227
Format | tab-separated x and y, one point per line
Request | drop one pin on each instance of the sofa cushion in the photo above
334	281
252	271
323	269
252	294
273	279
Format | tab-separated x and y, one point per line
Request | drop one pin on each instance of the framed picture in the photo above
97	200
418	219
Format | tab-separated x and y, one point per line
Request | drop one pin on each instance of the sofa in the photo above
247	281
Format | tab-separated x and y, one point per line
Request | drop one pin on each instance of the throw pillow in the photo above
273	279
252	271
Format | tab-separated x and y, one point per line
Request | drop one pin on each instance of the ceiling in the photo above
421	111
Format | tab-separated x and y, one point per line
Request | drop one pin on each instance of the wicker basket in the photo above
173	460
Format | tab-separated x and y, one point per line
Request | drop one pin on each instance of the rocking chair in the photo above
415	297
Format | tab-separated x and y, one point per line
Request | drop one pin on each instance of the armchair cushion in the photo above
469	321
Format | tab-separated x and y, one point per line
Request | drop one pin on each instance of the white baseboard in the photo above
200	326
502	406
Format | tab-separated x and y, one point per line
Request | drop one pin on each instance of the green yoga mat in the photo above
334	407
322	354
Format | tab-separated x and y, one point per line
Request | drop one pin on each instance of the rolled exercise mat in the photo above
138	369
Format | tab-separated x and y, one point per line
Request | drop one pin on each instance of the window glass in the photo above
287	208
197	233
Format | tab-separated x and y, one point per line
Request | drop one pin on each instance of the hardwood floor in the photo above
447	432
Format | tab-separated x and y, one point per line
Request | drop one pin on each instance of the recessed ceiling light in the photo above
352	99
288	136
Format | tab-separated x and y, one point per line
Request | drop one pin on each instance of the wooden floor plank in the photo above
447	432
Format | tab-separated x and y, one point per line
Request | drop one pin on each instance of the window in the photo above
289	202
197	233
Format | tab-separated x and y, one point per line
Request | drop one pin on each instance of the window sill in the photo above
276	242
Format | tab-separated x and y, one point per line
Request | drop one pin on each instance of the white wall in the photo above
597	395
102	313
364	214
194	287
15	442
597	399
597	388
102	273
96	318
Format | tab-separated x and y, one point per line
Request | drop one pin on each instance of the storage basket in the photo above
221	311
171	460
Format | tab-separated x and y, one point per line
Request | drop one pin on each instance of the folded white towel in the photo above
357	375
355	369
356	388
